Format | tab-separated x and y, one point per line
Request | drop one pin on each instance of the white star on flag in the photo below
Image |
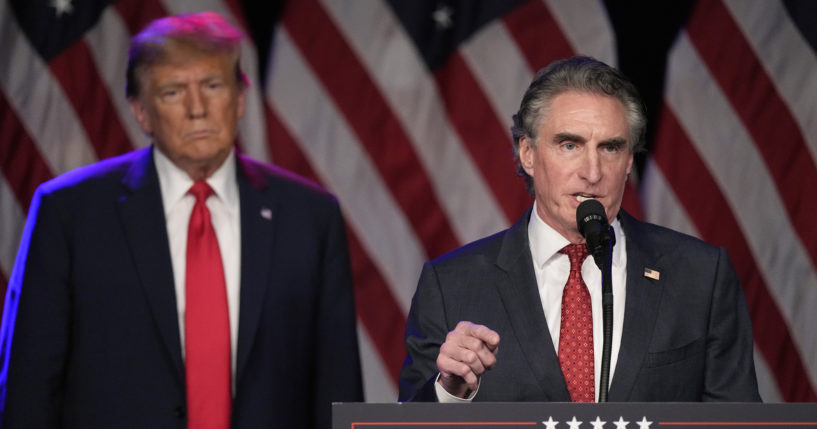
442	16
62	6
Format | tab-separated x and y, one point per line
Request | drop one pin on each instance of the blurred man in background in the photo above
183	284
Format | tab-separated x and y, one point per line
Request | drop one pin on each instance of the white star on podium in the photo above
597	424
644	424
621	424
550	423
574	424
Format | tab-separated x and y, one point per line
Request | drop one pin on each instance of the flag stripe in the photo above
137	14
378	383
785	55
586	26
372	30
738	166
20	161
11	227
376	127
90	100
706	205
768	119
40	104
529	25
472	115
376	307
297	97
504	75
108	43
662	204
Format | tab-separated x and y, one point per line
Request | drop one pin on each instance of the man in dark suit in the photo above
104	324
490	321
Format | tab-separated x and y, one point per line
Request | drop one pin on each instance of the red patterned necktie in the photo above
576	332
206	322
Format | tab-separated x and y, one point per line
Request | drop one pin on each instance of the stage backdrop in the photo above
402	109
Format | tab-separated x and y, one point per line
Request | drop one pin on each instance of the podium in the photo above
559	415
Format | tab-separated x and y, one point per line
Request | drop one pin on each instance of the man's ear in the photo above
526	154
141	115
629	168
242	99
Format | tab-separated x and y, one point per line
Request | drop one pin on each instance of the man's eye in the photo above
569	146
170	95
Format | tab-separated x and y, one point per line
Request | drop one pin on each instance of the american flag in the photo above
402	109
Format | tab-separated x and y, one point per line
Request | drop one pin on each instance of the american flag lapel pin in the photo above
266	213
650	273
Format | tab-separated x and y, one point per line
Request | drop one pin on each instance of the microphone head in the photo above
587	212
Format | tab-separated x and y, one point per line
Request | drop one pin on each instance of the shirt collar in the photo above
175	183
545	242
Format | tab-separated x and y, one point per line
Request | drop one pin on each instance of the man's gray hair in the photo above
580	74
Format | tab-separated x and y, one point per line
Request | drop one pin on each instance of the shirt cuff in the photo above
444	397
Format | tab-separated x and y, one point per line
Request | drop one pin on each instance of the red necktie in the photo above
576	332
206	322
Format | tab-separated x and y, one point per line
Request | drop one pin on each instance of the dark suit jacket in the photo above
96	343
686	337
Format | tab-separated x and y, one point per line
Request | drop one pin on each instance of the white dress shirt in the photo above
552	270
225	216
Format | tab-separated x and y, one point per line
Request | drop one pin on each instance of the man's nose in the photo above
590	168
196	104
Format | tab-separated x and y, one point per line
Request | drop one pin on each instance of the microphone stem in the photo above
607	318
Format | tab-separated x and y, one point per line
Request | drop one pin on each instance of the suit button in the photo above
179	412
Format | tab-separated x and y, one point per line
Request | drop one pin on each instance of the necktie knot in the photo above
201	190
577	254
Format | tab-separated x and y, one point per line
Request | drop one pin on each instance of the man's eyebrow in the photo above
615	141
566	136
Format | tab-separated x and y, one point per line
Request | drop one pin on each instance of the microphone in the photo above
592	223
599	239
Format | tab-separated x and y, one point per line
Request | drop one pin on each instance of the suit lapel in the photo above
641	307
257	228
142	215
523	306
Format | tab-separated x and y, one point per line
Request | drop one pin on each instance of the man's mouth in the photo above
199	134
584	197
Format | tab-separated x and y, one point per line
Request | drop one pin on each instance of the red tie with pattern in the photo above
206	322
576	332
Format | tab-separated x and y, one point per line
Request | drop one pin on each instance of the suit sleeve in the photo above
730	369
426	330
337	374
36	322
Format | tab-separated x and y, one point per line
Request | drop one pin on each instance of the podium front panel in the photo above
557	415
